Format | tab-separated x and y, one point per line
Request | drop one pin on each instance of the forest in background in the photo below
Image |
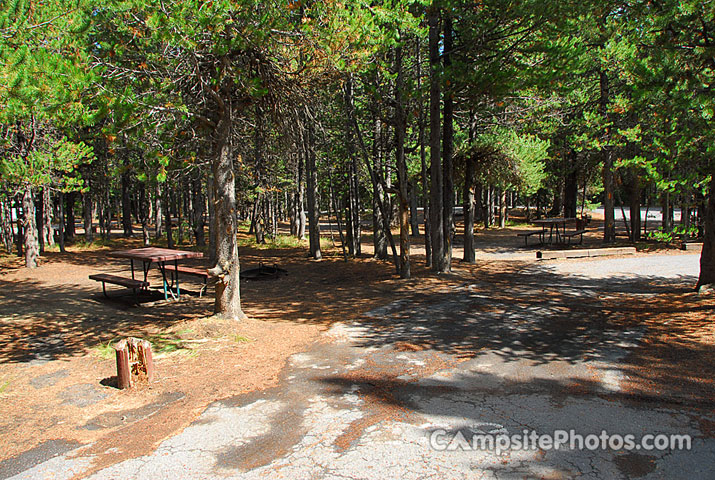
185	117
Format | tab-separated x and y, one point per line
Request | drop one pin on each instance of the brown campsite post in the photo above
134	359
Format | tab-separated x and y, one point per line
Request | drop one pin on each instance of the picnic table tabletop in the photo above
554	220
156	254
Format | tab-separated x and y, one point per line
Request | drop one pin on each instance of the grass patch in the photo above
279	242
4	386
240	338
161	346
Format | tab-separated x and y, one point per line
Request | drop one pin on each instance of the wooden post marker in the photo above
134	361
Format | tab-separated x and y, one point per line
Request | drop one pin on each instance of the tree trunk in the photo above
609	224
469	207
198	205
436	191
69	214
39	220
312	190
61	222
158	214
144	214
6	225
635	209
378	224
400	134
707	257
32	247
213	225
448	150
88	206
414	221
423	159
167	219
127	204
502	208
226	269
571	187
48	232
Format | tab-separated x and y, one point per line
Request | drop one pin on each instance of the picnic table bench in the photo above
526	236
193	271
570	235
116	280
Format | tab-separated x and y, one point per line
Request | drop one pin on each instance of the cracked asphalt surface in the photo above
364	403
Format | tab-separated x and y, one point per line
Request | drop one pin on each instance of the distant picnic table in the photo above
557	226
166	259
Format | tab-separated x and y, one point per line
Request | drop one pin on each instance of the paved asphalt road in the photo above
370	403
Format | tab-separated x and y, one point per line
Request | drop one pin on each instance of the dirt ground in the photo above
57	369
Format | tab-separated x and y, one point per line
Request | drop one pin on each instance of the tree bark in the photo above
198	205
48	232
635	208
312	190
423	160
88	206
609	224
436	191
707	257
213	225
414	221
69	215
167	219
226	270
127	203
469	207
32	247
403	196
571	187
448	149
144	214
158	214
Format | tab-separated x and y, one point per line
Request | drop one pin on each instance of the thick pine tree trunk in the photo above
379	238
213	225
423	159
6	225
609	224
158	213
503	210
127	204
403	196
69	215
32	247
571	187
167	219
312	190
635	209
61	221
707	257
469	208
226	270
414	221
144	214
48	232
436	191
198	205
448	150
87	210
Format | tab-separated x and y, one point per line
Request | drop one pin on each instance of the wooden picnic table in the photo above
160	256
555	223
